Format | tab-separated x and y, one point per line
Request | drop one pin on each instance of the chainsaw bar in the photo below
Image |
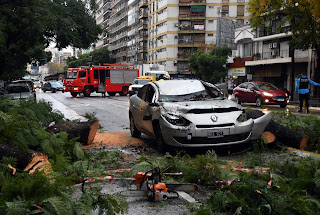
175	187
134	193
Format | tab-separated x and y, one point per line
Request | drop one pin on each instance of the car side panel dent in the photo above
259	125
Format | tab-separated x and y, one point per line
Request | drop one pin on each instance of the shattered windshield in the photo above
196	96
72	74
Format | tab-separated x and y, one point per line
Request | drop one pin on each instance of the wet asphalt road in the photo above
112	111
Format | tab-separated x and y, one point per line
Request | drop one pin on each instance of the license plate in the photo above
280	100
215	134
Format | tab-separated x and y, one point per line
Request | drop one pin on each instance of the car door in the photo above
144	110
251	93
241	92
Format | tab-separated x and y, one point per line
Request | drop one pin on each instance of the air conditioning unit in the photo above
274	45
270	45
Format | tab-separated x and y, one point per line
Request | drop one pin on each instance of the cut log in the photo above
268	138
28	161
283	134
86	131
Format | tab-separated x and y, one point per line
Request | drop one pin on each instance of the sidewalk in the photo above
314	103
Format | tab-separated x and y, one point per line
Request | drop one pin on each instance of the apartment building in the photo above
164	33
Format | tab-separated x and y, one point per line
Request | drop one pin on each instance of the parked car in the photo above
190	113
36	84
260	93
138	83
19	90
52	86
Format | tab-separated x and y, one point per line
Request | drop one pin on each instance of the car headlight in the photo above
130	88
243	117
267	94
176	120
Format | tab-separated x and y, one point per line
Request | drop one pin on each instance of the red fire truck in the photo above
111	78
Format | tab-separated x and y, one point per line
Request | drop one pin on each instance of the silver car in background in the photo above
190	113
19	90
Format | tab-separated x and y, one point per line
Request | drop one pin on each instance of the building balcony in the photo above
143	3
190	16
189	2
239	62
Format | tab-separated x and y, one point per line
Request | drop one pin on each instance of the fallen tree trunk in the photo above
86	131
283	134
26	161
268	138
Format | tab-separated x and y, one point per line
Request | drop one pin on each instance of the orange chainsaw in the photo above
149	184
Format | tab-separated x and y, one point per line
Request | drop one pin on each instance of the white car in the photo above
191	113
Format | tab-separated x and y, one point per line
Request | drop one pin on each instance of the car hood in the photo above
137	85
201	106
275	92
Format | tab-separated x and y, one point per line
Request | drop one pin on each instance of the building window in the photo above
210	35
247	49
210	21
240	10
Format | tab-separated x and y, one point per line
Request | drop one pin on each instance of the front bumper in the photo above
73	89
228	134
193	136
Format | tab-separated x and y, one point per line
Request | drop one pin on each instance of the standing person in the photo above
303	89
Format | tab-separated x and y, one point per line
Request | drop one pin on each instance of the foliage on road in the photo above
99	56
210	66
28	27
23	123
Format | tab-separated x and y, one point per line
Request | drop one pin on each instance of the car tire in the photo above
237	100
112	93
124	91
283	106
87	91
162	147
53	90
44	90
133	129
73	94
258	102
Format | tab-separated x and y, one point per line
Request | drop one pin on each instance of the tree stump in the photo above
26	161
86	131
283	134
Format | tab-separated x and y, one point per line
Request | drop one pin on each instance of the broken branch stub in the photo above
283	134
86	131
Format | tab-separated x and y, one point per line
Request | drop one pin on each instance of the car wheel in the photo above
44	90
258	102
112	93
161	145
86	91
124	91
53	90
237	100
74	94
283	106
133	129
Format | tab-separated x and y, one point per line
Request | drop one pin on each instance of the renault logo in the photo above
214	118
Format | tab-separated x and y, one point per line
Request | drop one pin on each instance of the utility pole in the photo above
292	54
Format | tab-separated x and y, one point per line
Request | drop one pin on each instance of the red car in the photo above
260	93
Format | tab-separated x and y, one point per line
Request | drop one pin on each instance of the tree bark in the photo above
86	131
283	134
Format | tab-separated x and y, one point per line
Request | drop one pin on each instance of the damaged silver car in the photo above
191	113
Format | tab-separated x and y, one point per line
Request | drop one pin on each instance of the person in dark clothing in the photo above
303	89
